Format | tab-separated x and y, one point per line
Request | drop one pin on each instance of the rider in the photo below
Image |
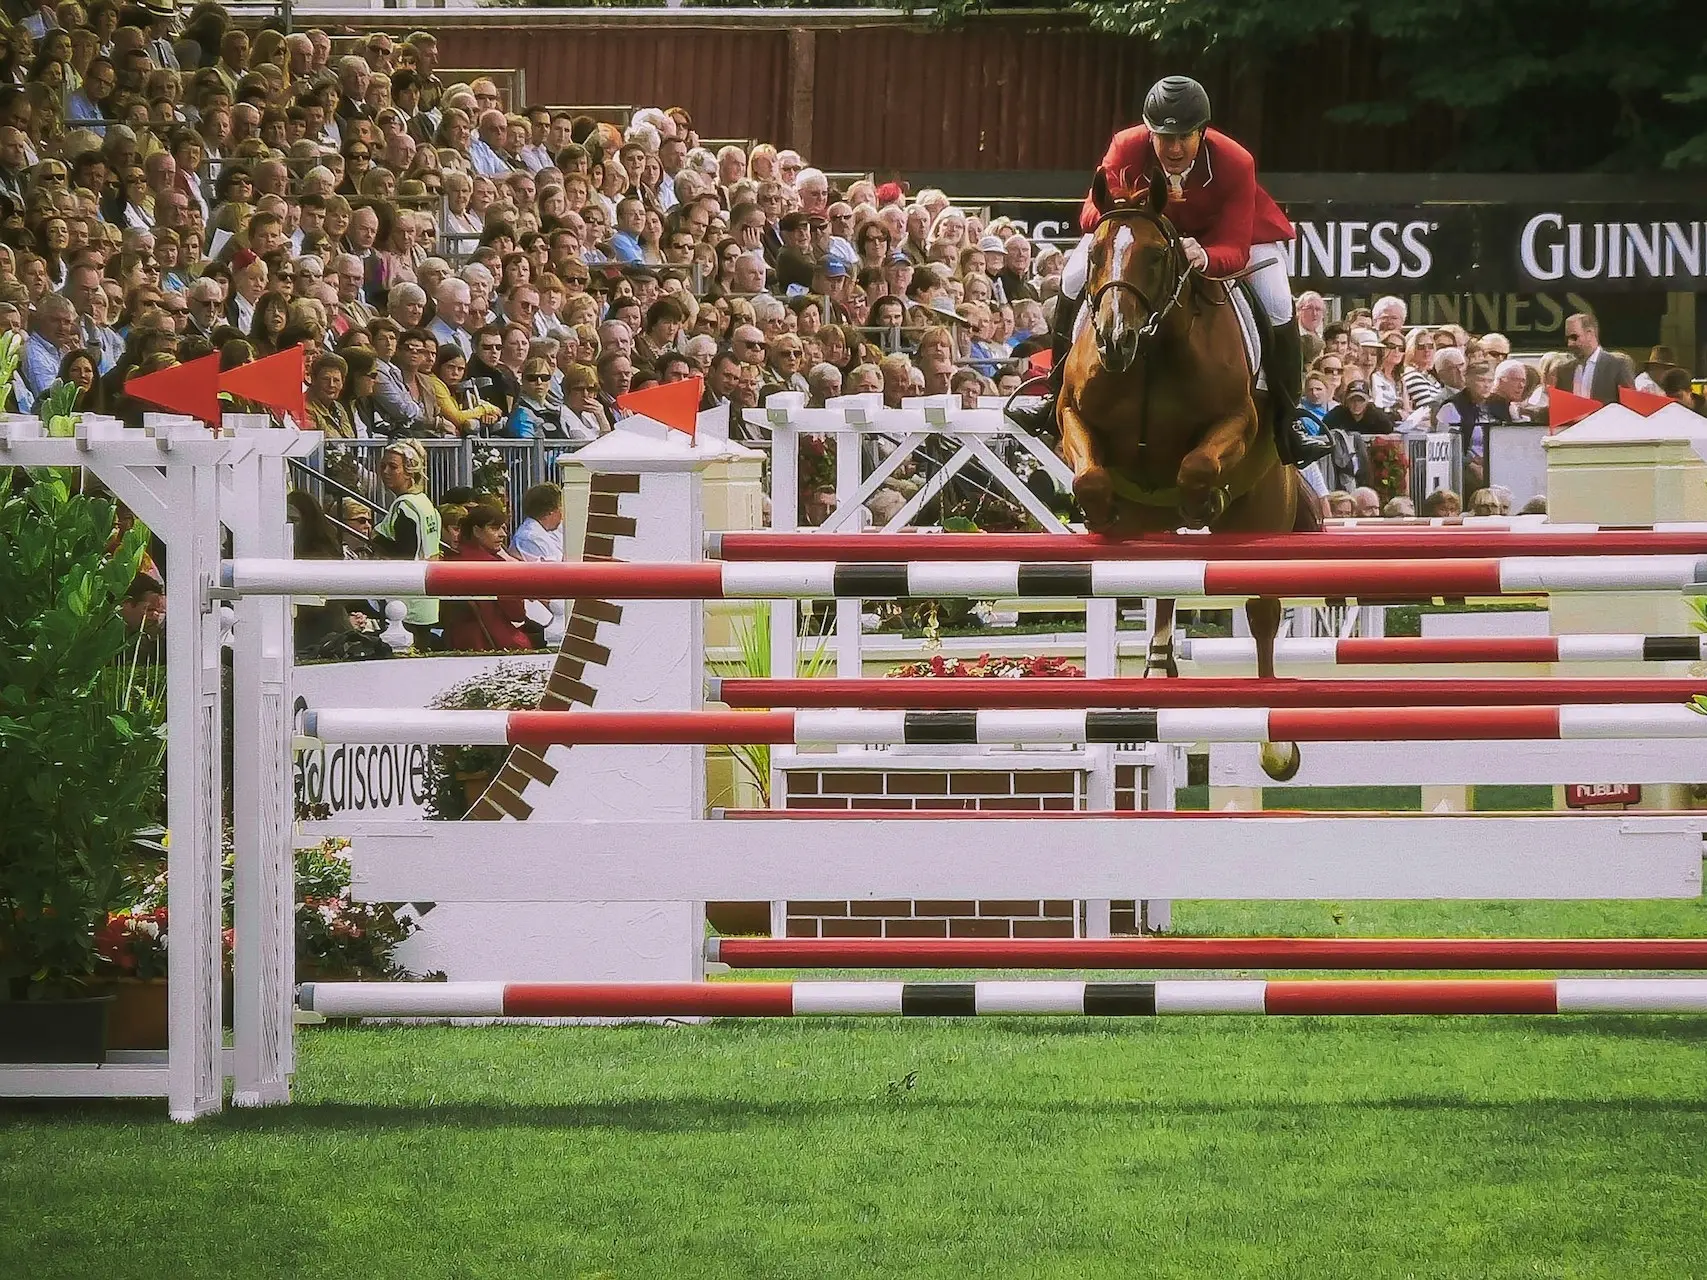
1228	224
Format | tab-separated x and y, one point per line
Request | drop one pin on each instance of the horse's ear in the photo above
1100	197
1156	192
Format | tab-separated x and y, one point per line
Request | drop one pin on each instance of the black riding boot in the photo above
1041	419
1285	385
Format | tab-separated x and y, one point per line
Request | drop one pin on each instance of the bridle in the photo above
1156	316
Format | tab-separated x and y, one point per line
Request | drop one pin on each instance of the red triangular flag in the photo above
191	388
275	382
1565	407
675	404
1643	402
1041	362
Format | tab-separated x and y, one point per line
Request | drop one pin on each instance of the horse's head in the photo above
1138	273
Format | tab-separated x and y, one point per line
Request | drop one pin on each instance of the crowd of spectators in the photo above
1373	375
458	263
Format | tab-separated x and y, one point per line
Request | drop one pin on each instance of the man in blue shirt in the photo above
53	335
483	150
630	222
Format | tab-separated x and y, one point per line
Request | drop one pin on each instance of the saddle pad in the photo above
1238	294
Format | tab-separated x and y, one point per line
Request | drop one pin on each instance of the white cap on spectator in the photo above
991	244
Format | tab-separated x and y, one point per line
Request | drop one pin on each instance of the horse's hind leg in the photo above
1280	760
1160	658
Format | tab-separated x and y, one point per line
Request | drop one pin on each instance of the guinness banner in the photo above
1473	248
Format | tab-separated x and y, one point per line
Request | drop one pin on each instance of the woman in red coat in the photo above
1227	223
482	625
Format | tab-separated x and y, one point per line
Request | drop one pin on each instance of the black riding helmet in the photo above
1176	105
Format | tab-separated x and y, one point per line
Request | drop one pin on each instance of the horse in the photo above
1161	420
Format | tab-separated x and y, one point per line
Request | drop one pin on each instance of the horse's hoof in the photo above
1281	760
1095	494
1201	515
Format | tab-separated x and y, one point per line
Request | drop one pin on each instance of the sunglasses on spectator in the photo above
1332	368
358	155
536	377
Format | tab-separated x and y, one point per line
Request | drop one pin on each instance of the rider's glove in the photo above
1194	253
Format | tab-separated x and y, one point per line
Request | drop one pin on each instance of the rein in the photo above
1182	276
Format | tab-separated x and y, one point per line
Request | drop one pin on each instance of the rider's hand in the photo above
1194	253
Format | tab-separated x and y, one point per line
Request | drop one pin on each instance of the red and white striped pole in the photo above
947	693
985	999
969	728
1420	650
715	580
1208	953
1372	543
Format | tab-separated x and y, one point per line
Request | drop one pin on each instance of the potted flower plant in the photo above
457	775
336	936
82	739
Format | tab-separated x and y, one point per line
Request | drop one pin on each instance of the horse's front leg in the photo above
1203	472
1091	483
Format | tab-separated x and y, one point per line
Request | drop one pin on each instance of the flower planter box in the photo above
139	1014
140	1017
54	1030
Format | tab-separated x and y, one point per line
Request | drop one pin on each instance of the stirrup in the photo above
1305	447
1040	419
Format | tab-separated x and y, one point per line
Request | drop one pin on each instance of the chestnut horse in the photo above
1161	420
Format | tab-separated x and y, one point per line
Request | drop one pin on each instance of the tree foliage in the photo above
1522	85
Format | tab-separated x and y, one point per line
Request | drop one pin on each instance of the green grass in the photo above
1523	1147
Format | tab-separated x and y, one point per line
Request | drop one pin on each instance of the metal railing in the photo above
350	468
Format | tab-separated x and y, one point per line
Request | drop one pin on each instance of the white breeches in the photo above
1078	269
1269	280
1267	273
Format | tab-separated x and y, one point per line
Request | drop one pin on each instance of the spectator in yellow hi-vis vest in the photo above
410	530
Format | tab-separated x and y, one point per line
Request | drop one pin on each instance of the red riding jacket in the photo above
1222	206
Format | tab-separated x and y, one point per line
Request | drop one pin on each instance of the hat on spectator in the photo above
890	193
1367	338
944	309
1357	387
991	244
899	256
160	8
793	221
834	266
1661	358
